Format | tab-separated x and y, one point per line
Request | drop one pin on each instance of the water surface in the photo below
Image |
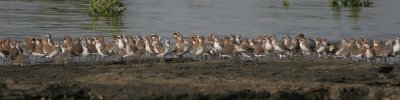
19	18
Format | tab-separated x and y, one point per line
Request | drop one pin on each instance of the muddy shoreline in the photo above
217	79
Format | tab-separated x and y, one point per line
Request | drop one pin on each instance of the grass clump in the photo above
106	8
351	3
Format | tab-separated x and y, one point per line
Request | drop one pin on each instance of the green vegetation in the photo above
351	3
285	2
106	8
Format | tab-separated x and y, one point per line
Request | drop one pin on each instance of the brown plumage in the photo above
14	52
290	43
382	50
65	56
30	45
228	46
256	47
47	44
77	47
21	59
6	44
38	48
67	40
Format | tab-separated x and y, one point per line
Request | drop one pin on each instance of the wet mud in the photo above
204	80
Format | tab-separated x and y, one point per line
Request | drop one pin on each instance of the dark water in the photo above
19	18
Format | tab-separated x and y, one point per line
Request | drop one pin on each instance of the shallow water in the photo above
249	17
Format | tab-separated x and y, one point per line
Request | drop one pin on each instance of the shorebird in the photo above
4	55
290	43
179	44
162	50
331	49
53	52
148	46
101	50
130	48
382	50
396	46
110	46
228	47
6	44
259	40
47	44
198	46
178	37
66	54
217	44
344	51
356	49
186	46
244	47
157	47
257	48
321	47
38	52
305	46
67	40
21	59
30	45
369	52
120	41
77	47
91	46
14	52
141	48
268	47
86	53
238	38
278	47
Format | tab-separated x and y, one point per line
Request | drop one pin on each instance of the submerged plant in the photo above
351	3
107	8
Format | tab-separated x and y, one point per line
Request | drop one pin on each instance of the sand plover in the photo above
228	47
47	44
101	50
53	52
268	47
13	52
278	47
382	50
38	52
30	45
257	48
290	43
369	52
356	49
66	54
396	46
344	50
321	47
77	47
21	59
162	50
305	46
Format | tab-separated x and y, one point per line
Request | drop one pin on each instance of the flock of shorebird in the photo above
133	47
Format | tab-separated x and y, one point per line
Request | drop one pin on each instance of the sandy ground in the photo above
216	79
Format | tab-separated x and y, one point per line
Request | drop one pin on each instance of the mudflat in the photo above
217	79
